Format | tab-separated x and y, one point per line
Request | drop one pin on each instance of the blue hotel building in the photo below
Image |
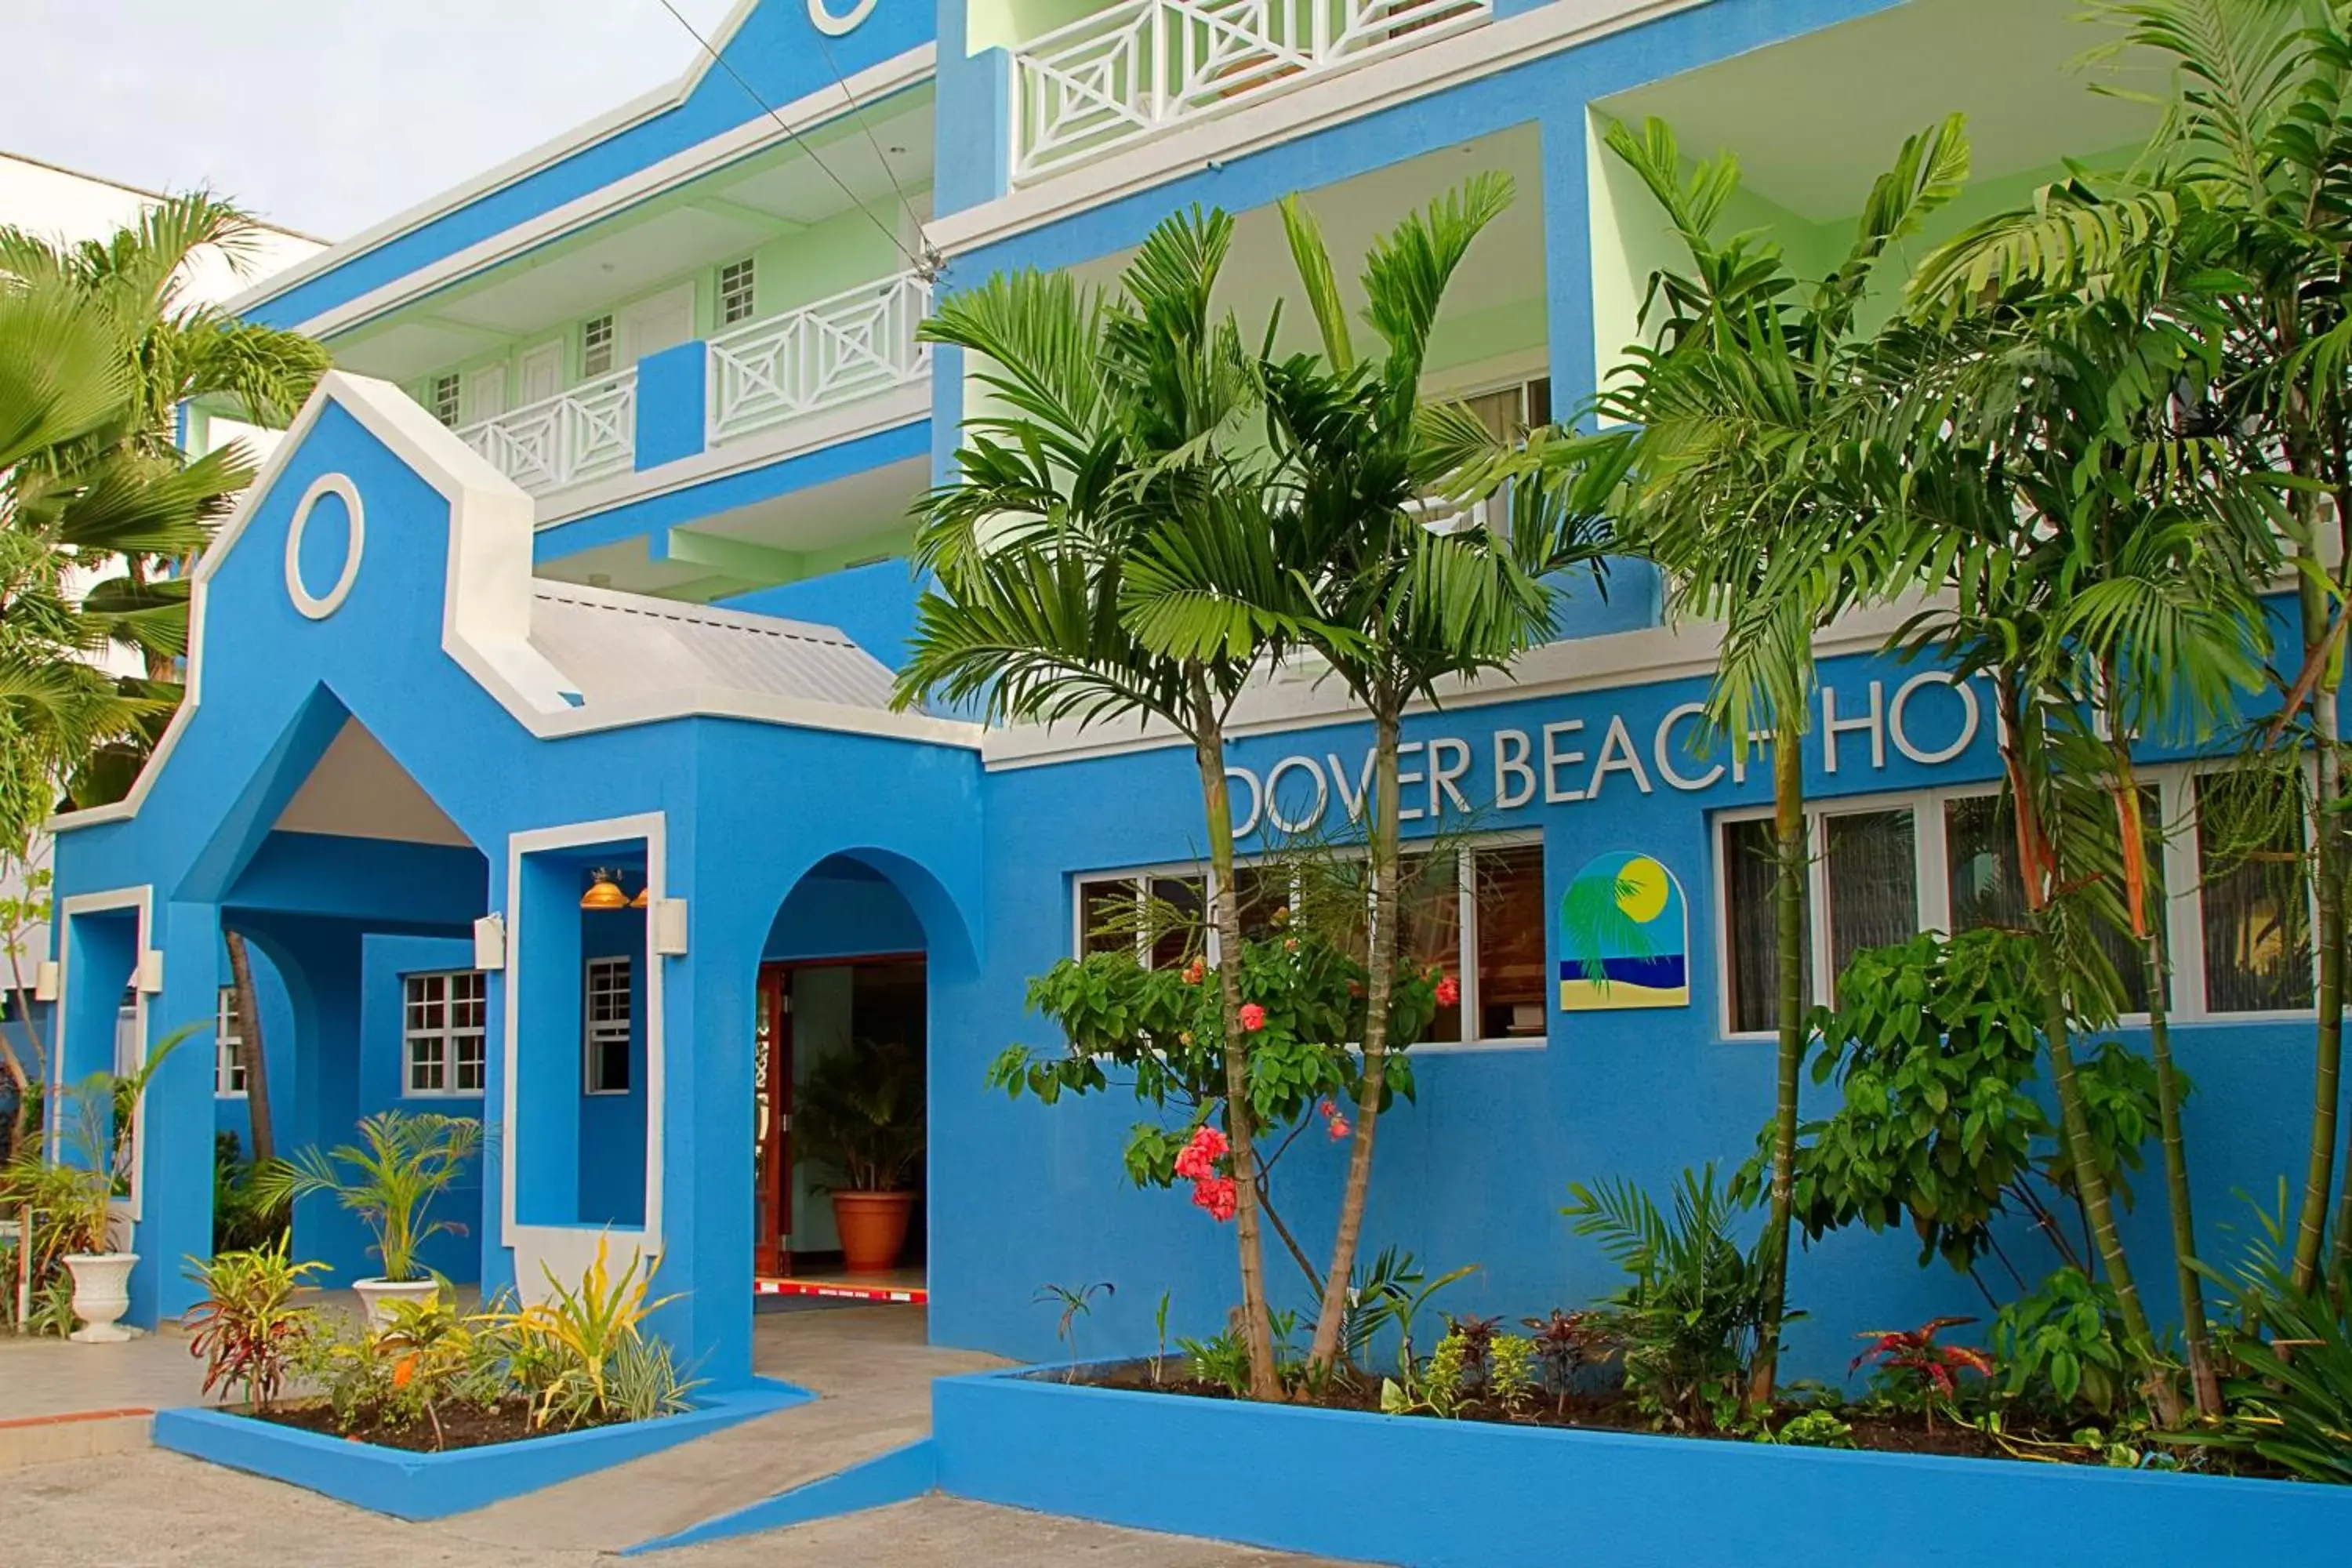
588	565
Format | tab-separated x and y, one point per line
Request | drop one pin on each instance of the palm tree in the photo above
2104	564
1394	604
1754	480
1119	443
2240	191
174	352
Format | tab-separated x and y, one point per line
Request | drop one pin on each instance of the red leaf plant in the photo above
1909	1361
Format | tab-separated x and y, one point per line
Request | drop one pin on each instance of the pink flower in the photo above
1198	1159
1449	990
1195	970
1218	1195
1339	1128
1327	1109
1252	1016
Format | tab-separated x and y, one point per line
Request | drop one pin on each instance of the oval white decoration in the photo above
833	26
318	607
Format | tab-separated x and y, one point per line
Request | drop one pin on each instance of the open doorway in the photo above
838	1100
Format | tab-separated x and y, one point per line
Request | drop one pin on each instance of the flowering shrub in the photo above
1162	1031
1911	1370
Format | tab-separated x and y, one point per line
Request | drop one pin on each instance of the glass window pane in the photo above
1178	907
1429	894
1874	881
2254	906
1512	992
1981	864
1260	893
1750	929
1107	916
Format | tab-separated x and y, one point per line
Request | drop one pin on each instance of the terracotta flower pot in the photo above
872	1228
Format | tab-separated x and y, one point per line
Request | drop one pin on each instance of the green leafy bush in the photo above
247	1330
2290	1399
1690	1317
2058	1349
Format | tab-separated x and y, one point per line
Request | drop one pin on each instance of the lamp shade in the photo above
645	897
605	892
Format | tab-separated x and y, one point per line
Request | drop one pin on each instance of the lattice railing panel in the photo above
856	343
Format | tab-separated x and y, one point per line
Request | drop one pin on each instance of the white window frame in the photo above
1465	956
743	272
597	976
444	396
445	1036
590	343
228	1070
2183	869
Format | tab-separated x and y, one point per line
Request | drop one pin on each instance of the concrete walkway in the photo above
872	1372
153	1509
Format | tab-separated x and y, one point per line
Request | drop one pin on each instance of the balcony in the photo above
820	357
568	439
752	382
1114	77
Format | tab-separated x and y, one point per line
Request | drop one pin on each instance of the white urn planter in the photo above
102	1294
380	1296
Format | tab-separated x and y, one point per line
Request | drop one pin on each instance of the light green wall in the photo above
1002	24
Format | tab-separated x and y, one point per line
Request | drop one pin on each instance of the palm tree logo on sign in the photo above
1624	936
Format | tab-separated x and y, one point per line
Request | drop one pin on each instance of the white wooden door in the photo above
485	395
652	325
542	371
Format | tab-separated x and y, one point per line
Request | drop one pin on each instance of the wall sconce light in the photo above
605	892
490	942
667	936
45	981
148	977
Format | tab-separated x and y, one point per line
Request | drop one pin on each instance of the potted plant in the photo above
403	1161
860	1116
71	1190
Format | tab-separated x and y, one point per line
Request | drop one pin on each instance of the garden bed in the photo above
459	1426
1894	1432
1438	1493
501	1458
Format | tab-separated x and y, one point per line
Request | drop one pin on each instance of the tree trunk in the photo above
1257	1322
1793	856
1378	983
2326	826
250	1053
2205	1387
2036	862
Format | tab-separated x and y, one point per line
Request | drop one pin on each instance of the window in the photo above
228	1039
1161	918
443	1033
1510	413
735	292
2255	910
1476	912
606	1012
596	346
1946	861
444	392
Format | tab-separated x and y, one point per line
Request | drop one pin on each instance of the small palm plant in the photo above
403	1161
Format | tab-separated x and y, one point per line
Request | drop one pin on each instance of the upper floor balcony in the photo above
755	379
1121	74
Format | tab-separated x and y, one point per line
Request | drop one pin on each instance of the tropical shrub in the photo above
389	1179
1911	1371
2290	1399
247	1330
573	1352
1691	1316
860	1115
241	1220
2060	1348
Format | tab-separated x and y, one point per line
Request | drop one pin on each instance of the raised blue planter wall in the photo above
1468	1494
433	1486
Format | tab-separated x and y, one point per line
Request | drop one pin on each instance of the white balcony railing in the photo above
584	433
1123	73
820	357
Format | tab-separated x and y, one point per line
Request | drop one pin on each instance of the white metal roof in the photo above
615	648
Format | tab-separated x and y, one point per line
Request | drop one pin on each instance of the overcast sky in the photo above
324	115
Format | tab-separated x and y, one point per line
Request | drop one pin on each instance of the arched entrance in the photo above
842	1034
